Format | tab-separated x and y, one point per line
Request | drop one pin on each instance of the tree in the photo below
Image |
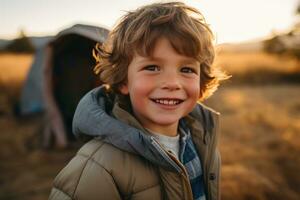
22	44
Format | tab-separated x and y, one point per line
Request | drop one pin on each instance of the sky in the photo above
230	20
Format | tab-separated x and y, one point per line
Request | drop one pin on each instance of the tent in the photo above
61	73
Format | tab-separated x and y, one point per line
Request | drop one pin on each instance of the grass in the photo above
259	67
14	68
260	141
13	71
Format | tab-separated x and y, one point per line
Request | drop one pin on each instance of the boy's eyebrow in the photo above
188	60
145	59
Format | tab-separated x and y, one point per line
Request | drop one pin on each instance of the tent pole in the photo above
53	114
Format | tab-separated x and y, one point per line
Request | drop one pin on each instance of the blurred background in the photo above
46	66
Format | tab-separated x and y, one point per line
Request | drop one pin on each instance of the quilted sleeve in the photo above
84	179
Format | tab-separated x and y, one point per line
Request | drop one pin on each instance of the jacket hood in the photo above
94	117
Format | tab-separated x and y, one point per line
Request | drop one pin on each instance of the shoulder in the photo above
98	163
83	169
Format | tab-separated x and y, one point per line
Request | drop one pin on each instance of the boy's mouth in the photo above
167	101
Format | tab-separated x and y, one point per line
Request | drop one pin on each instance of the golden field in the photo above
243	63
259	142
259	67
13	70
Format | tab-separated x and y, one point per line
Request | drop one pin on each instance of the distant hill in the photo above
36	41
3	43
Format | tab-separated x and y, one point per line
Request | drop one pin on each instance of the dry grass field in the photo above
259	143
241	63
13	70
259	67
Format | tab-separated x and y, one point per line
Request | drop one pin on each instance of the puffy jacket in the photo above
123	161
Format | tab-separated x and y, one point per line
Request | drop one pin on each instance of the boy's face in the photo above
162	88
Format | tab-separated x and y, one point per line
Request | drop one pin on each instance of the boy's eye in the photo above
188	70
152	68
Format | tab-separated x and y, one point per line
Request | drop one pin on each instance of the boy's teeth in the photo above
167	102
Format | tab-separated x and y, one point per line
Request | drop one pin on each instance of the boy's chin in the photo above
167	121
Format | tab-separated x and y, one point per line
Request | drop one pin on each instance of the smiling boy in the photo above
152	139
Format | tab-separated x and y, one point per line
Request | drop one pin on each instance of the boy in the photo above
152	140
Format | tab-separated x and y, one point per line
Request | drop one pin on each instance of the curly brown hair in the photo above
137	31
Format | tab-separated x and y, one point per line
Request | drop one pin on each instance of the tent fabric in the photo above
60	74
97	34
31	95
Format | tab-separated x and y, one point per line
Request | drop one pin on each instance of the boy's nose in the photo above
171	87
171	82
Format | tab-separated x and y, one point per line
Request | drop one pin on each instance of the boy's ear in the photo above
124	89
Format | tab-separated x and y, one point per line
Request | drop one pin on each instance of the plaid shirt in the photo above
190	159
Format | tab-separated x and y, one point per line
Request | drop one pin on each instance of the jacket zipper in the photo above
176	164
165	155
185	176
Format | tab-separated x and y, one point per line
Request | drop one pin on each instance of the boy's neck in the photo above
170	131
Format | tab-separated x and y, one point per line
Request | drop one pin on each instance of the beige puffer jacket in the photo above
102	169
